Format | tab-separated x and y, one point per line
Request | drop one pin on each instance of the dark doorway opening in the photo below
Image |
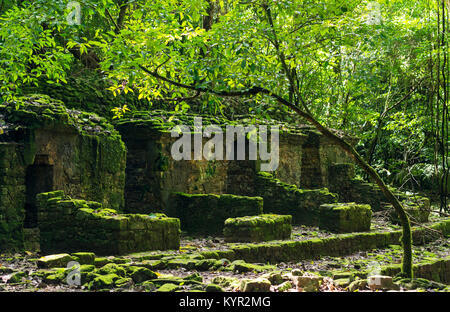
311	174
39	179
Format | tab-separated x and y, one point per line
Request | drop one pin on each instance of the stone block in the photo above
259	228
345	217
417	207
255	285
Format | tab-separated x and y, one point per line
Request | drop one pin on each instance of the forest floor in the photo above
336	273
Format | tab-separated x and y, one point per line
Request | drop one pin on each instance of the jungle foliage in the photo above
376	69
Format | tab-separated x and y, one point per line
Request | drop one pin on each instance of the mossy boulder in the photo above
194	277
168	288
309	283
84	257
104	281
140	274
153	264
213	288
206	264
359	284
99	262
123	282
417	207
111	268
285	286
148	286
225	281
275	278
17	277
55	261
255	285
56	276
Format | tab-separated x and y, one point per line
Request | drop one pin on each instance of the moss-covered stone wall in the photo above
206	213
345	217
287	199
152	174
12	196
71	225
87	154
261	228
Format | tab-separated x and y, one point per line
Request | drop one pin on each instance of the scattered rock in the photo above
148	286
297	272
99	262
274	278
84	257
54	261
360	284
420	283
341	275
285	286
381	282
342	282
17	277
225	281
194	277
309	283
140	274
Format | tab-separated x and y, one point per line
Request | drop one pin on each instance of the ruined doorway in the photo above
311	174
39	179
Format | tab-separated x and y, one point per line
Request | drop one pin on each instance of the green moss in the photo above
342	218
17	277
206	213
194	277
241	266
259	228
148	286
84	257
104	282
123	282
140	274
286	199
168	288
53	261
225	281
213	288
100	262
420	283
154	264
111	268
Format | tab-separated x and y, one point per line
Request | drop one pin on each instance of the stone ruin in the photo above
71	181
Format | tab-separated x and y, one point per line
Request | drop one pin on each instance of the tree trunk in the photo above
406	238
